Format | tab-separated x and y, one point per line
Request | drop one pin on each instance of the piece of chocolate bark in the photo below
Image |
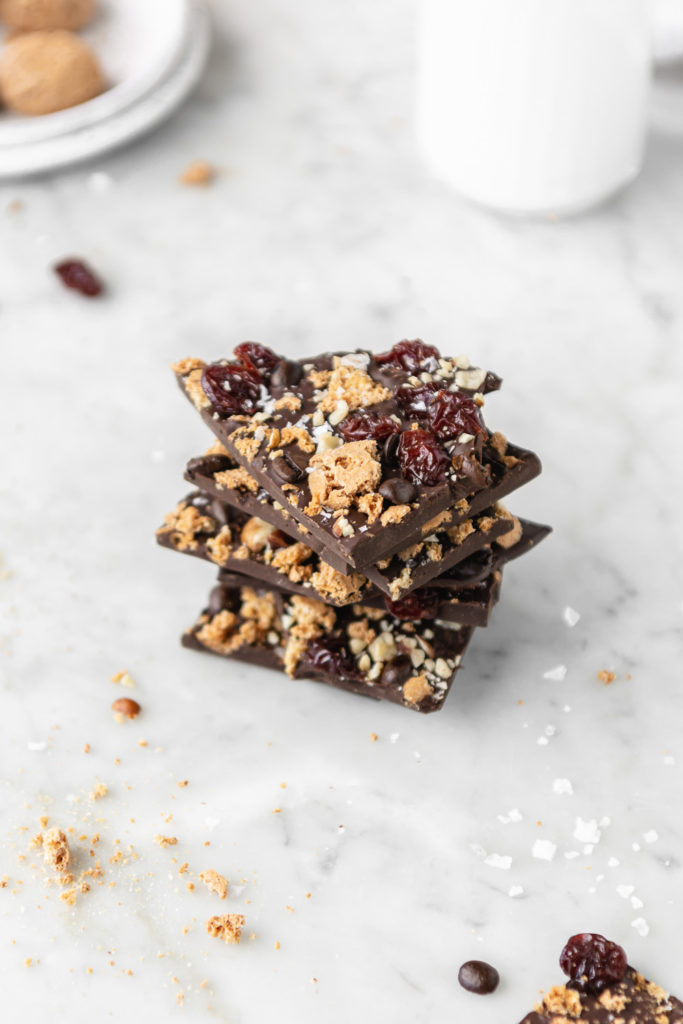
217	473
362	650
467	604
363	450
202	526
603	989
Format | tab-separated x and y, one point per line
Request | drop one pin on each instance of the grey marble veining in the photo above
321	231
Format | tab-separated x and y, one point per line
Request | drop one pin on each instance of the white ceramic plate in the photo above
155	61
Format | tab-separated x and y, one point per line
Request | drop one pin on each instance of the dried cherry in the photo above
233	390
75	274
256	357
358	426
415	401
421	457
409	355
331	656
419	604
453	413
593	962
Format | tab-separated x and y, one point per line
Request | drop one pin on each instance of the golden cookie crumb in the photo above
227	927
166	840
215	883
56	849
199	172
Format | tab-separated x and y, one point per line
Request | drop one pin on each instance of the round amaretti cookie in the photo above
42	72
32	15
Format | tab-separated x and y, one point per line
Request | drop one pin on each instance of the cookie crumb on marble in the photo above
198	172
227	927
124	678
165	840
215	883
56	849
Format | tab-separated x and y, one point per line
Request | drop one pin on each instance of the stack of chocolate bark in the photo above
352	503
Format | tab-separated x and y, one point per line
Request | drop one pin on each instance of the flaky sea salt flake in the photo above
587	831
563	787
570	616
497	860
543	849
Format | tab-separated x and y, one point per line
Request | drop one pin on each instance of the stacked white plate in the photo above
152	53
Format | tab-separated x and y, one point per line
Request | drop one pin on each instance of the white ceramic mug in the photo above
534	106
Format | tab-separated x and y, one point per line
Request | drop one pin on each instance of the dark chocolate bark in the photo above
631	1001
351	444
467	605
361	650
218	474
209	529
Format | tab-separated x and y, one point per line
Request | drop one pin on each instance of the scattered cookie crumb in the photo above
215	883
99	791
124	678
182	784
124	707
374	737
56	849
277	945
606	677
86	748
227	927
199	172
166	840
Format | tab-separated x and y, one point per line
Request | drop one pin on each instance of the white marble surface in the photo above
323	231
